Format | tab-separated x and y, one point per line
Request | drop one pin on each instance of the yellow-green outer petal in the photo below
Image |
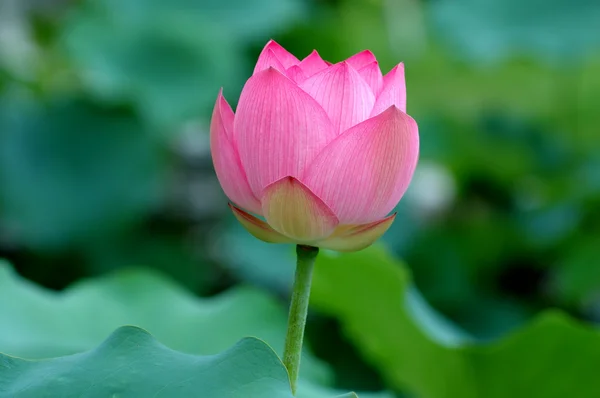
258	228
357	238
294	211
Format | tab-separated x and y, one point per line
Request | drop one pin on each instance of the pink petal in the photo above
346	239
294	211
258	228
268	59
279	129
361	59
296	74
286	59
344	95
313	64
225	157
393	91
363	173
372	75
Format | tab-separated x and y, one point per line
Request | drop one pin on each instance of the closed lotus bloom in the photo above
316	154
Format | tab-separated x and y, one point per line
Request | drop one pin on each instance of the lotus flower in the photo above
316	154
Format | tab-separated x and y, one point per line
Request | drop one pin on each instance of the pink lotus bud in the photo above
322	152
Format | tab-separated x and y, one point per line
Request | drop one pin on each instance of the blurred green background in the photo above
105	162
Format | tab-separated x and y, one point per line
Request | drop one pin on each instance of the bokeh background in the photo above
105	162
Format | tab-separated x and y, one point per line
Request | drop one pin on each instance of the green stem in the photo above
298	311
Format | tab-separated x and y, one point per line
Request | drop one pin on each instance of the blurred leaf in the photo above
38	323
244	20
184	260
550	225
578	274
559	30
316	391
18	52
70	171
461	276
260	263
131	363
168	58
367	291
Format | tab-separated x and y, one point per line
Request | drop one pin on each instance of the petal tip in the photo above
398	69
221	98
374	63
394	111
272	43
224	111
272	70
269	73
345	64
284	56
367	52
362	58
